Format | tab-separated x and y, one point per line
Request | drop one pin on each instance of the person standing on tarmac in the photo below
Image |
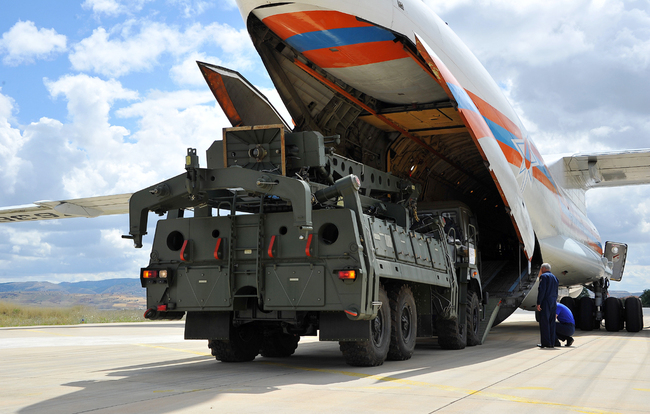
546	305
565	325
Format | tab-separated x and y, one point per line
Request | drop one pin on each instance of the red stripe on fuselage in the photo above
495	115
356	55
289	24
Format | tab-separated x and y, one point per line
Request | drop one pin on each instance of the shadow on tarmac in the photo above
182	383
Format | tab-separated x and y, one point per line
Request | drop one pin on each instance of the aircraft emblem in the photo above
529	160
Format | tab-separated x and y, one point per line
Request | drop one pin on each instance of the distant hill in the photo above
623	293
125	286
102	294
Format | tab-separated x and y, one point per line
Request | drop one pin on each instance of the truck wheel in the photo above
244	345
452	334
586	315
613	314
633	321
473	319
279	345
373	352
403	327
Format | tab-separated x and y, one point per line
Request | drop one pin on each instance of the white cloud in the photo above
24	43
121	51
192	8
188	73
114	7
11	141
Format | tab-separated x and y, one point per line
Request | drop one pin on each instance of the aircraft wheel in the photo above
586	314
279	345
244	344
473	319
613	314
633	318
570	303
373	352
404	324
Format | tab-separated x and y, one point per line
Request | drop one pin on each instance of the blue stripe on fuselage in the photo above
339	37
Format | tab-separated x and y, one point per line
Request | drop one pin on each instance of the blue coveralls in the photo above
547	299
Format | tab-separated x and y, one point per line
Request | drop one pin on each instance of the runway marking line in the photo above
175	349
466	391
422	384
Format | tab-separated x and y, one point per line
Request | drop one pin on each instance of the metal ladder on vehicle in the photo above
259	281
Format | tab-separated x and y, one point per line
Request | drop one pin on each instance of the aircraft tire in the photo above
371	353
613	314
403	327
570	303
279	345
586	314
243	346
633	321
473	319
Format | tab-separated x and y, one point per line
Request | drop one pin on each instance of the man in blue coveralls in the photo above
565	325
546	305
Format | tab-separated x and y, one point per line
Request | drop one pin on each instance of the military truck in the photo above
289	239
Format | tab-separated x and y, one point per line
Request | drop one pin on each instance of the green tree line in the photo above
645	298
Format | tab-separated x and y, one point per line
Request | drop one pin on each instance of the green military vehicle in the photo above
289	239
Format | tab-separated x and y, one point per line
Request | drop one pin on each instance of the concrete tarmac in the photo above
149	368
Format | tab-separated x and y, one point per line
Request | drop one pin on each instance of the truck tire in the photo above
243	346
633	319
473	319
613	314
452	334
279	345
586	315
373	352
403	327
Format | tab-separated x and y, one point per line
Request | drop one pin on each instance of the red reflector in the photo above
161	308
270	252
148	274
347	274
351	313
308	247
185	255
216	249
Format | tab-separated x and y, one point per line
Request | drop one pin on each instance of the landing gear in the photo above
373	352
586	317
403	324
633	314
473	319
614	314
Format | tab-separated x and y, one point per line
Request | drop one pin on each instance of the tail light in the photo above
347	274
148	276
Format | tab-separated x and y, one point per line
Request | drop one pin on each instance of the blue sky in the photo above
103	97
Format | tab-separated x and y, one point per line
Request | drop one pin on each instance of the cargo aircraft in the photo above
406	96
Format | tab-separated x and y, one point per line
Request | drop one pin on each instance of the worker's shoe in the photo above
569	341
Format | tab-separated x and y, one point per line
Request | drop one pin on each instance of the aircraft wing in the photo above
242	103
607	169
80	207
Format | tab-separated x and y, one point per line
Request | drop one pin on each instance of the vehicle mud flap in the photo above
335	326
207	325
